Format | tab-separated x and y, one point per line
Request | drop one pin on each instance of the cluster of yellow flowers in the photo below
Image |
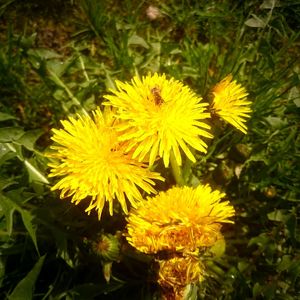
111	155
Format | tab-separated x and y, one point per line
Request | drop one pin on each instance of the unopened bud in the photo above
107	246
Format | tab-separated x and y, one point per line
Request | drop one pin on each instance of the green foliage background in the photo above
60	57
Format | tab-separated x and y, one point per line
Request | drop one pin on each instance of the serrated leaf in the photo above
277	216
5	117
57	67
6	182
27	219
2	268
294	95
29	138
10	134
28	41
258	157
218	248
16	149
3	149
261	240
255	22
25	288
294	269
137	40
19	195
34	173
242	266
285	263
276	122
269	4
5	153
9	207
256	290
43	53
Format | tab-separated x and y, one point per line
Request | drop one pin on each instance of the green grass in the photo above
54	63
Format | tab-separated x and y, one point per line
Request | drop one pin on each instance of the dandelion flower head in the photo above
181	219
91	162
160	116
230	103
176	273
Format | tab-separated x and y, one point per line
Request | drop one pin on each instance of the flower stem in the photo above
176	170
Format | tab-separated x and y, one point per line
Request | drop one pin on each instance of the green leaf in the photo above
5	117
278	216
255	22
2	268
294	269
243	265
218	248
5	153
276	122
25	288
29	138
109	82
43	53
261	240
57	67
28	223
269	4
294	95
28	41
256	290
9	207
285	263
6	182
137	40
190	292
34	173
9	134
16	150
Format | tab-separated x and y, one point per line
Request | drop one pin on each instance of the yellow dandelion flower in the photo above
160	116
230	103
181	219
92	163
176	273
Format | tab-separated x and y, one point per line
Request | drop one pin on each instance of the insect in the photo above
157	96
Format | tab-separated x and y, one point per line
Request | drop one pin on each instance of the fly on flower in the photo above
172	123
157	96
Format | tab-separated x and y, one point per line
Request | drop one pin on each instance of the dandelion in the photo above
177	273
230	103
160	117
181	219
91	162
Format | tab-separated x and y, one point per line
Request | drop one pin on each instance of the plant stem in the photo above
176	170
